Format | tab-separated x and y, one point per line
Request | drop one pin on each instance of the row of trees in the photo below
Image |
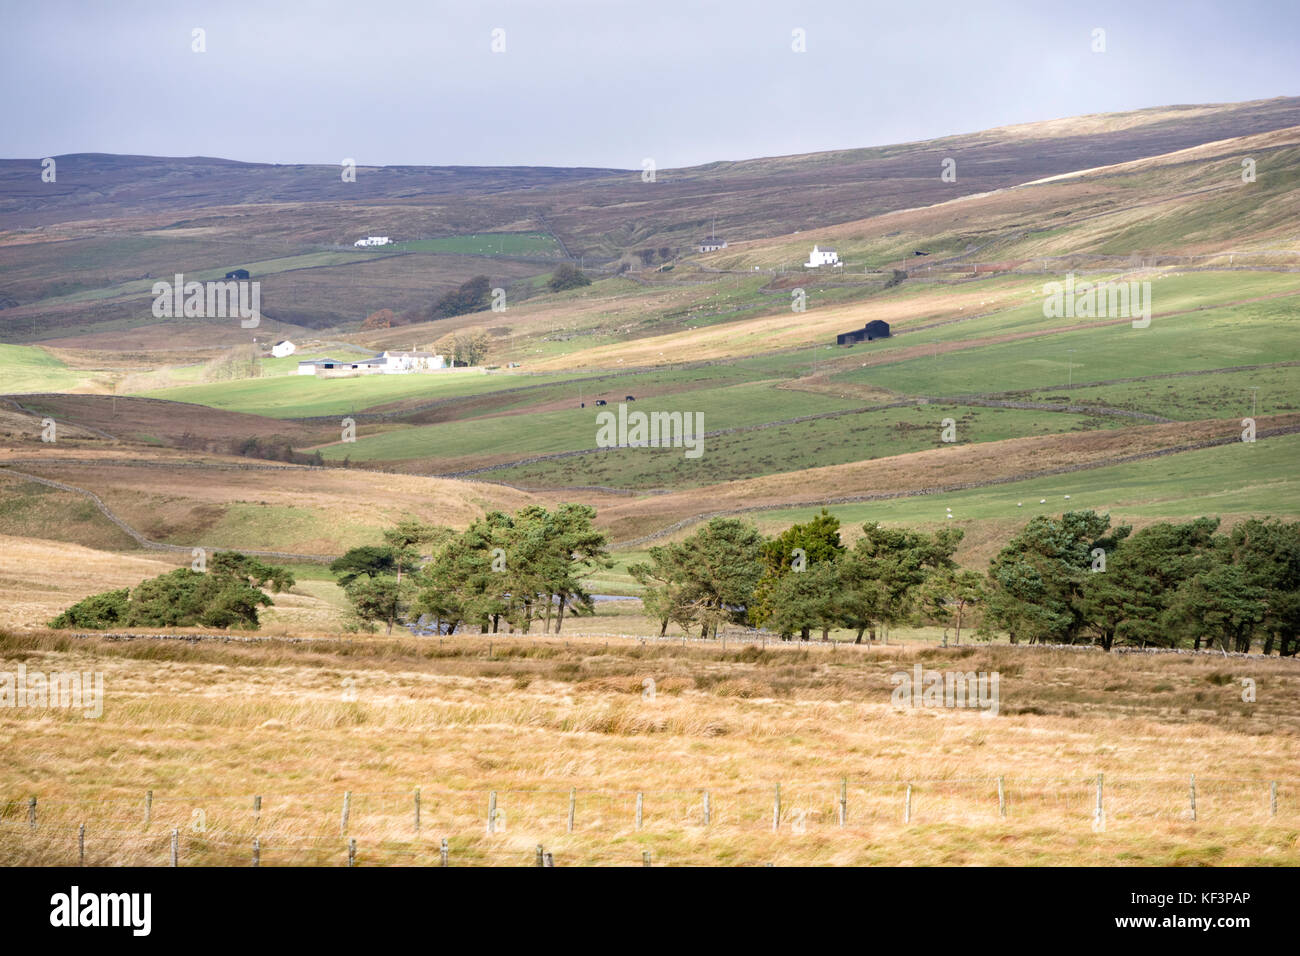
801	580
1070	579
1074	579
518	569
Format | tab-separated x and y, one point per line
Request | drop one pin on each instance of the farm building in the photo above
387	363
712	244
281	349
822	257
239	274
373	241
412	361
327	366
875	329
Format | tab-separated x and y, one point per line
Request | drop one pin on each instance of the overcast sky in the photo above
602	82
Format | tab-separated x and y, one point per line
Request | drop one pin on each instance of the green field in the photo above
1257	333
1193	397
575	428
295	396
29	368
1241	478
811	444
485	244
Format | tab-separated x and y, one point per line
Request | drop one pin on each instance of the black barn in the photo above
875	329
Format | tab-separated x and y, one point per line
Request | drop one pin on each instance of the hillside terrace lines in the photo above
933	471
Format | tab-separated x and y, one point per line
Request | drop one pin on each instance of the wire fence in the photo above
436	826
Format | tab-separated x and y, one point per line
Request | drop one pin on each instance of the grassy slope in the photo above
33	369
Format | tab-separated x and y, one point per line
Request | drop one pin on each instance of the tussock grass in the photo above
209	725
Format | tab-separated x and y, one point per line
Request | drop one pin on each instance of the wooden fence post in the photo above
776	808
492	812
81	845
573	806
640	800
844	800
257	810
443	853
1191	796
1002	797
907	805
31	812
417	809
1272	799
148	808
549	859
708	809
352	851
257	852
176	847
541	854
347	809
1099	815
645	857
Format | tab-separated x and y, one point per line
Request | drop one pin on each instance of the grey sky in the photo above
602	82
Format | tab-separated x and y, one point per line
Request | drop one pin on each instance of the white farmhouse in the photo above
712	244
373	241
399	362
822	257
281	349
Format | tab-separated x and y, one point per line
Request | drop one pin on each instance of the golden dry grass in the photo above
208	726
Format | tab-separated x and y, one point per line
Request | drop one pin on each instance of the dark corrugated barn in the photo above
875	329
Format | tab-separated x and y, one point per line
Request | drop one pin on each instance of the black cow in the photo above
601	401
630	398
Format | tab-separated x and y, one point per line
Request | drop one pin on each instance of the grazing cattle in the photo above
629	398
601	401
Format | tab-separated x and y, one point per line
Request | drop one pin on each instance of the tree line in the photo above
1067	579
1071	579
520	570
